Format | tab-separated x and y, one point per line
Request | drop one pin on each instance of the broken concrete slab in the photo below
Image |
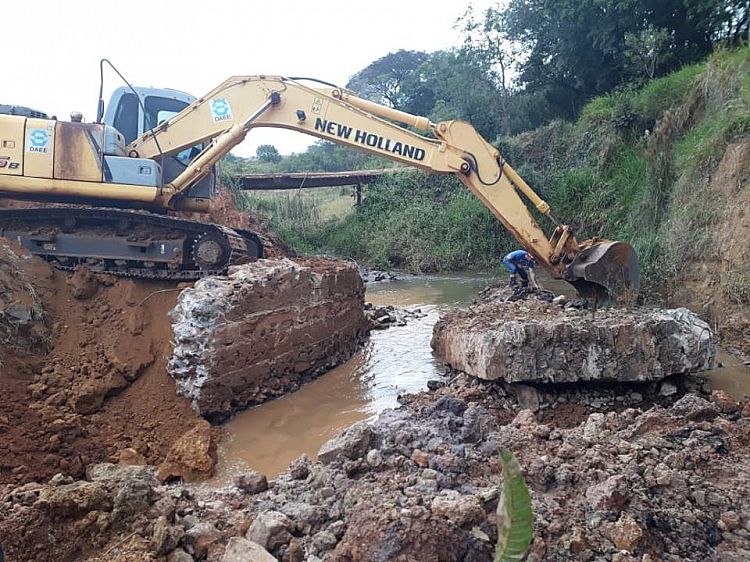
535	341
264	329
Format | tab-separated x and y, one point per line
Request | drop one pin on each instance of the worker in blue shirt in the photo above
522	263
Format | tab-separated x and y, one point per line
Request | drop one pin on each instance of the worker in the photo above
522	263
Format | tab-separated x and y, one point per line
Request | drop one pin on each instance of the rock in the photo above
607	495
192	457
130	456
421	458
299	468
667	389
179	555
201	536
70	500
261	330
527	396
83	283
252	482
89	398
527	341
243	550
349	445
324	541
694	408
271	530
374	458
625	533
165	537
461	510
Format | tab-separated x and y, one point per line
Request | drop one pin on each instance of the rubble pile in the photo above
668	480
382	317
536	341
263	330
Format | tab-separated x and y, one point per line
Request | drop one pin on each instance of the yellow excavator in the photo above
154	151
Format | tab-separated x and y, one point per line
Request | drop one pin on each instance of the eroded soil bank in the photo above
84	358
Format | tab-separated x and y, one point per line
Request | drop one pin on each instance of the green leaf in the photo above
515	518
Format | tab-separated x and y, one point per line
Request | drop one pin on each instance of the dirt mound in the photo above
86	374
224	211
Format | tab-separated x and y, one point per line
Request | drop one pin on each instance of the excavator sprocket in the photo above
129	243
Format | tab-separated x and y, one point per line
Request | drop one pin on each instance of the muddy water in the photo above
733	376
394	361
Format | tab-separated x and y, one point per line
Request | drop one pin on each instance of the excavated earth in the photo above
656	471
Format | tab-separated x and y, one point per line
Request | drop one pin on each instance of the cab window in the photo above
126	117
160	109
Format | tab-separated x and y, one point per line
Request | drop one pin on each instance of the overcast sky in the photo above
193	45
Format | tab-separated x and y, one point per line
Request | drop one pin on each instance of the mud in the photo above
85	375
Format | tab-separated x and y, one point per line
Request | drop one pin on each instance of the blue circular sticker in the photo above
38	138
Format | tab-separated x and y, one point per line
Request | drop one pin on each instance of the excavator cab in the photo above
134	113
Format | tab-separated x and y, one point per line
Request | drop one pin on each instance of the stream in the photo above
395	361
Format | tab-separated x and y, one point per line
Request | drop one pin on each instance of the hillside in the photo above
666	168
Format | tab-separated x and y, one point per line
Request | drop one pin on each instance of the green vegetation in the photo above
515	517
634	166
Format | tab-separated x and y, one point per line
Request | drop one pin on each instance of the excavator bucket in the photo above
606	271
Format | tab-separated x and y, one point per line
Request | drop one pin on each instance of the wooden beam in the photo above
303	180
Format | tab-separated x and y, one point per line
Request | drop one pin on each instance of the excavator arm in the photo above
222	118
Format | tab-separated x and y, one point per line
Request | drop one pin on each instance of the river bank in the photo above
641	472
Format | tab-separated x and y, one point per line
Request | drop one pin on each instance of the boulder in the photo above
252	482
271	530
201	536
74	499
192	457
533	341
165	537
243	550
263	329
352	444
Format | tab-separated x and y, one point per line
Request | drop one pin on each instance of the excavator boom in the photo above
604	270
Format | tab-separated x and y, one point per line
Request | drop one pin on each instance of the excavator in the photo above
150	156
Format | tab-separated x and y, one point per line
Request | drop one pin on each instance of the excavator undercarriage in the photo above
129	243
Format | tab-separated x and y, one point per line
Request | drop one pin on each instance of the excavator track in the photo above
129	243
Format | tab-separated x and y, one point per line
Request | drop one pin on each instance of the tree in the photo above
577	49
390	80
268	153
486	43
645	52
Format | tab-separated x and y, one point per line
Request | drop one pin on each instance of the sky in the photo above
194	45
